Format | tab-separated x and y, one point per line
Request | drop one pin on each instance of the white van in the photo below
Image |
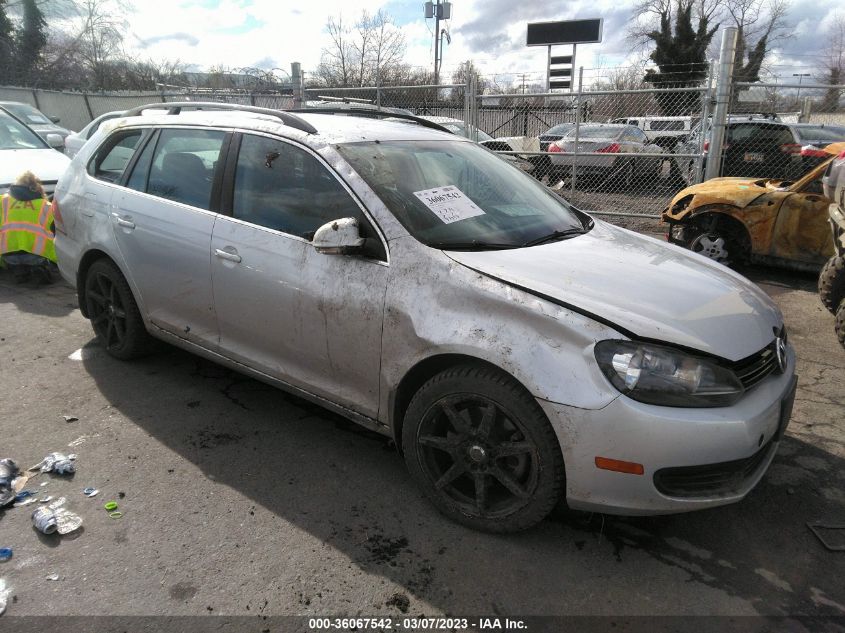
665	131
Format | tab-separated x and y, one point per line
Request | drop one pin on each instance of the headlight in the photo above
666	376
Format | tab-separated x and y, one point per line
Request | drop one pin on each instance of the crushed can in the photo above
8	471
44	520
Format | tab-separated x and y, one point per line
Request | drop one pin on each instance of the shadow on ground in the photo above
349	488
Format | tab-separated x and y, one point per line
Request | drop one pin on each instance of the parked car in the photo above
515	348
21	149
37	121
543	164
832	276
756	147
733	220
610	151
75	140
665	131
467	130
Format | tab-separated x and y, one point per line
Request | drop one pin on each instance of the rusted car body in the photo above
771	221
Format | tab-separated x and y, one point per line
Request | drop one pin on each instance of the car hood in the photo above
645	288
738	192
47	164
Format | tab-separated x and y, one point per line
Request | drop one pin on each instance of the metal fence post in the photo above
705	115
806	110
472	84
88	106
577	129
723	98
296	80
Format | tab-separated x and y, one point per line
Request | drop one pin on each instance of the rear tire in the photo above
482	450
717	238
113	312
832	283
839	325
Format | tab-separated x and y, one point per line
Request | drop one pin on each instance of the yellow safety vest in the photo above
25	226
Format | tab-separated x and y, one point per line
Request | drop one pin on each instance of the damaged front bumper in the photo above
729	449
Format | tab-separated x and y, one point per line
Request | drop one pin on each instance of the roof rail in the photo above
175	107
377	114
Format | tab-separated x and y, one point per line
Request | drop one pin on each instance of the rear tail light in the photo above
790	148
57	217
613	148
841	154
706	145
554	147
813	151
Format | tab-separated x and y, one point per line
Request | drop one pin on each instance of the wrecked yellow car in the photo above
736	220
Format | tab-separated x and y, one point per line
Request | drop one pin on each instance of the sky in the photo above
274	33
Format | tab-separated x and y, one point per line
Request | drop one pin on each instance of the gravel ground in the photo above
239	500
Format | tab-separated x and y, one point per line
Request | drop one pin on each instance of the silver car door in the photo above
163	222
309	319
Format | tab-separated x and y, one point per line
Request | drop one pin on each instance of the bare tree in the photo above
833	64
370	52
760	25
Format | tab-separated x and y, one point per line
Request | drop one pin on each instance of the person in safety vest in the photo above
27	231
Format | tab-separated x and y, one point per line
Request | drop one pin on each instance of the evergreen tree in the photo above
681	57
7	47
30	41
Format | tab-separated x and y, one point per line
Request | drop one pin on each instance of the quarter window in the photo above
282	187
183	165
111	158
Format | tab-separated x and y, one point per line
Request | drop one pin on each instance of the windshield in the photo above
15	135
821	133
454	194
596	131
27	114
563	128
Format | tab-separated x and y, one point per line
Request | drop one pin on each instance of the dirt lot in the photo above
239	500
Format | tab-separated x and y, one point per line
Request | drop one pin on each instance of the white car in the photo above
22	150
518	350
75	141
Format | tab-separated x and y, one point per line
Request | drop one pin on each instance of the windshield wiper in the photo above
474	245
554	235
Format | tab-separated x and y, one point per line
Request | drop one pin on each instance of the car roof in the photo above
331	127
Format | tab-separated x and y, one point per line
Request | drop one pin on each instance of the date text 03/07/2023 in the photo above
416	624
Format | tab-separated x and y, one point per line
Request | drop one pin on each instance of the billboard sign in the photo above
565	32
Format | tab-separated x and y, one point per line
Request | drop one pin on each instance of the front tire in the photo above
839	325
482	450
113	312
832	283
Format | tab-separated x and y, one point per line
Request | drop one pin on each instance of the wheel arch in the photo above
419	374
85	263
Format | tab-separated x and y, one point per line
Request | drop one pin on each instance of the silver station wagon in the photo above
518	351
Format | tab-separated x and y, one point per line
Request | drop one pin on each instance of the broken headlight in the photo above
665	376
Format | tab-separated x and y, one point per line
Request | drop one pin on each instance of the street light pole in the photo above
800	77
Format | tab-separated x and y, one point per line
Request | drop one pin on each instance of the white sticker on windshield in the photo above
449	203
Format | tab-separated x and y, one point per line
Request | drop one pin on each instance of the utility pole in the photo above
439	11
800	77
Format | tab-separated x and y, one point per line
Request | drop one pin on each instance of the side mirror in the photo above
56	141
54	119
338	237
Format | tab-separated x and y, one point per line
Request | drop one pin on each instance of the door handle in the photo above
126	223
228	255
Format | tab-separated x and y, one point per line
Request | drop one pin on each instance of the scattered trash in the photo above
46	499
81	440
58	463
83	353
23	494
5	590
8	472
70	418
44	483
51	577
111	506
5	554
121	495
90	492
24	502
117	514
818	528
56	518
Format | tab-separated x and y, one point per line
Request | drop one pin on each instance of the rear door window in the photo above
111	159
183	165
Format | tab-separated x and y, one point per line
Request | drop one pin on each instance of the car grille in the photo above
756	367
711	479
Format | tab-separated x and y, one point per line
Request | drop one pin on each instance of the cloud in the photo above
187	38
